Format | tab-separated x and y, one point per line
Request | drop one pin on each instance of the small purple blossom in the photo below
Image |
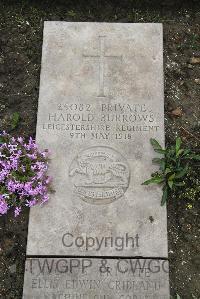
31	203
17	211
3	205
20	140
23	174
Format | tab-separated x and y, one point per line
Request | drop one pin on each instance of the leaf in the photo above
155	144
172	159
182	173
167	170
178	297
160	151
165	195
171	150
15	120
186	152
157	160
194	157
179	184
170	184
178	145
71	13
154	180
171	178
163	165
179	152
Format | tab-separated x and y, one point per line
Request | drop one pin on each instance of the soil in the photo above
21	25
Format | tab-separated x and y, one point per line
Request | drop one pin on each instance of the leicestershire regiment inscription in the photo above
100	101
117	121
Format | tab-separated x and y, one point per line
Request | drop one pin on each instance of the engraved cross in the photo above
102	58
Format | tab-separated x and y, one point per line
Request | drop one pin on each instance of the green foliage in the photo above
175	297
71	13
15	120
178	297
190	42
174	167
191	191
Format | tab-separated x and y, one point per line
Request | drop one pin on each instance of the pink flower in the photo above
3	205
20	140
23	174
31	203
17	211
45	199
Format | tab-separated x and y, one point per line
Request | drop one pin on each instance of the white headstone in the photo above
84	278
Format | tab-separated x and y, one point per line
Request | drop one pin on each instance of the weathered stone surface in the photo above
96	279
101	100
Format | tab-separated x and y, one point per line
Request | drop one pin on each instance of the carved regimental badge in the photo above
100	175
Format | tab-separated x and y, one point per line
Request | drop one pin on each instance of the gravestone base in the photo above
96	278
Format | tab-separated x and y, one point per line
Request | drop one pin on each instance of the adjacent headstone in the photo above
66	278
101	100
